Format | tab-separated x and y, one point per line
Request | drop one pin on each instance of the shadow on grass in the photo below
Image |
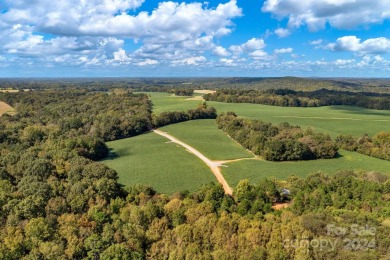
126	151
111	155
359	110
338	156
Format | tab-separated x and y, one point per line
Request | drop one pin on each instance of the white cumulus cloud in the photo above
220	51
283	50
121	56
354	44
315	14
282	33
251	45
96	29
147	62
259	55
316	42
191	60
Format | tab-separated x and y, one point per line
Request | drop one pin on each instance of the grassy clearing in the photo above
334	120
254	170
9	90
148	159
205	136
5	108
163	102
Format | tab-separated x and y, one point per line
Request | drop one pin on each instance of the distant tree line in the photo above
167	84
182	91
277	142
377	146
291	98
201	112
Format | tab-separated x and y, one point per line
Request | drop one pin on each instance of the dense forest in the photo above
75	209
172	117
281	142
376	146
292	98
77	120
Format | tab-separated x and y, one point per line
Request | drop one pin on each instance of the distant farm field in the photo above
205	136
334	120
149	159
163	102
255	170
212	142
4	108
9	90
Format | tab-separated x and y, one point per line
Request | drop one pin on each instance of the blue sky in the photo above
144	38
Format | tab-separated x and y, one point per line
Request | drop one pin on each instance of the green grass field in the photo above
254	170
163	102
205	136
334	120
148	159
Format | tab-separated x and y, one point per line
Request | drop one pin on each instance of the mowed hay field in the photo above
163	102
334	120
205	137
5	108
149	159
9	90
255	170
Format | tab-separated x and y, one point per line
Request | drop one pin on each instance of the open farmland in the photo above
149	159
334	120
255	170
163	102
208	139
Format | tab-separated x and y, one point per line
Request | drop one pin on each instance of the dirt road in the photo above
214	165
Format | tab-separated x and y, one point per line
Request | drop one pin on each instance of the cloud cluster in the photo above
253	48
282	33
103	34
97	29
22	41
344	14
353	44
283	51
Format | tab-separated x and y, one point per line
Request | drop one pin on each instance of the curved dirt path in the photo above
214	165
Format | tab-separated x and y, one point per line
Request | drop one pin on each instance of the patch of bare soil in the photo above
279	206
204	91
